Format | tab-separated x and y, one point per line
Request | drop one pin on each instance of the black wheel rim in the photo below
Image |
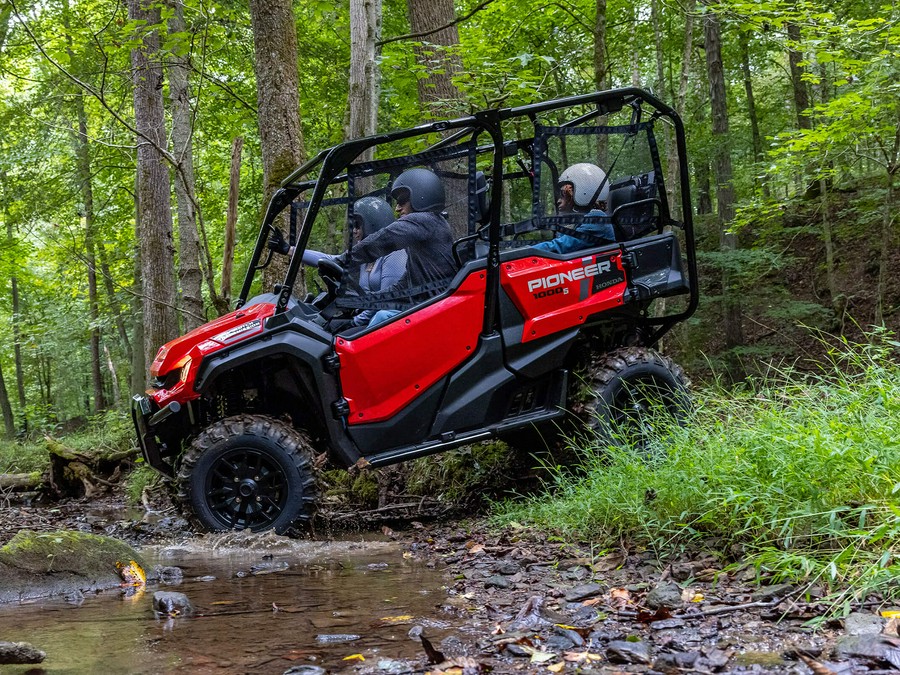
637	407
246	489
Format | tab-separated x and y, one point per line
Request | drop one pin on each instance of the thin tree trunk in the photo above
734	335
113	301
801	92
114	379
636	49
231	221
83	162
827	236
601	74
363	94
8	421
182	145
278	93
438	96
157	248
672	173
16	310
885	243
751	103
83	168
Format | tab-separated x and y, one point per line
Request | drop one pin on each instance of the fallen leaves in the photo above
132	574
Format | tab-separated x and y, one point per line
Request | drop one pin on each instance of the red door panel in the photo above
554	295
383	371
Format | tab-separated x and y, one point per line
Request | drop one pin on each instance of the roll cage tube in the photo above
337	158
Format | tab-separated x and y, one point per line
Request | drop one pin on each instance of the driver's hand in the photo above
277	243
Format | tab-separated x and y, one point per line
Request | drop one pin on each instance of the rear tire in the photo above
247	472
629	389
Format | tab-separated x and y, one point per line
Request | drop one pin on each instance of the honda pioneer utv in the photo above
561	282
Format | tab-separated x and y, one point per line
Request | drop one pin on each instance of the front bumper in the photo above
145	415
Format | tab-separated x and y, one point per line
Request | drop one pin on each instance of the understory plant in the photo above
797	473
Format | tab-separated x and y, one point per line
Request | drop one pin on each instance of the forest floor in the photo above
526	602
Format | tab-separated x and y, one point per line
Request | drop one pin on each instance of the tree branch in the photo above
411	36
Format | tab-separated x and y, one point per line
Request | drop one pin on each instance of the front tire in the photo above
631	389
247	472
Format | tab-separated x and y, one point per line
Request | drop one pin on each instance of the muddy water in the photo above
333	600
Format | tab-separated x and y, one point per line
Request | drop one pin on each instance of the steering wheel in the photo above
332	274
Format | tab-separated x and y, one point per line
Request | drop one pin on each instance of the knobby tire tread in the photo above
295	443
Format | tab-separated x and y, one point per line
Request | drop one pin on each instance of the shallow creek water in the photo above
334	600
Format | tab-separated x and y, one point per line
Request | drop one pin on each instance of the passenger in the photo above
420	230
370	215
583	189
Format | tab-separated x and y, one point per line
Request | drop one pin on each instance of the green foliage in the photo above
18	457
463	474
111	430
800	469
140	479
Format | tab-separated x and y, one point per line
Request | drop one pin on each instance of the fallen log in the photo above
76	473
20	481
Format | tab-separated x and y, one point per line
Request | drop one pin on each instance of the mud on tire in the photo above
630	389
247	472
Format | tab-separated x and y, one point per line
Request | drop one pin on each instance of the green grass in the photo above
801	471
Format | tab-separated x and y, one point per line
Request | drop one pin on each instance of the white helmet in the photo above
586	180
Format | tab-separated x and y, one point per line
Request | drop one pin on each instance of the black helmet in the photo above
422	187
372	214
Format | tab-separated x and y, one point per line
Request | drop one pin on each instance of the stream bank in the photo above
509	601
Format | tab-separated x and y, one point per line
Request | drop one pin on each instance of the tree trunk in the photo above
155	236
672	174
886	243
801	92
751	103
278	93
16	310
231	222
734	335
106	274
182	146
438	96
8	421
828	237
114	378
83	163
363	95
601	72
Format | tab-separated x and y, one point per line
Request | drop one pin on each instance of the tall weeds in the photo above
797	473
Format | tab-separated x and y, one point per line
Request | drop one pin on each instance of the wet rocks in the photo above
769	593
497	581
664	596
63	562
583	592
879	648
626	651
859	623
336	637
20	652
170	603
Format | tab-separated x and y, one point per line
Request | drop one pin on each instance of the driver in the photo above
583	189
420	230
370	214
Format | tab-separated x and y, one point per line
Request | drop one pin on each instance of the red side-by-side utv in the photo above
517	336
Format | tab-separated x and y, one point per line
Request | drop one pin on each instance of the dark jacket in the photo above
428	243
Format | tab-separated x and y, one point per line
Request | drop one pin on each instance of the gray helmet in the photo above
372	214
424	189
586	180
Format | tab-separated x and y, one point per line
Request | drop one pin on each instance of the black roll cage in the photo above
333	163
